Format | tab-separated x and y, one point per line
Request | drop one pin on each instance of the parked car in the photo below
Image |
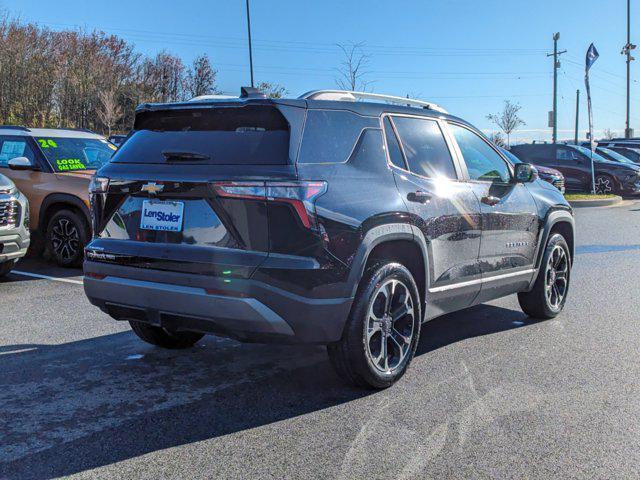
14	225
551	175
613	156
574	162
319	220
632	154
620	142
117	139
53	168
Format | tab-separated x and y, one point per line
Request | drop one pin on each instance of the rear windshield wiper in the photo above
171	156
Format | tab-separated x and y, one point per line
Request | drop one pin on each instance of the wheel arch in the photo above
60	201
401	242
560	221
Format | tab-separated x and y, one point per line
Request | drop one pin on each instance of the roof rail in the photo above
350	96
15	127
203	98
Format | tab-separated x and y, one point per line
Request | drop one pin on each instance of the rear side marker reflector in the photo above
300	195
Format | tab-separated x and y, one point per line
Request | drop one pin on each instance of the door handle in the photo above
419	197
490	200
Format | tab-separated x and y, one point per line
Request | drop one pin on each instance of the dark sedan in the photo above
575	164
551	175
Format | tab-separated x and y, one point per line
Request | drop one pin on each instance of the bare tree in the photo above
110	111
498	139
508	120
201	78
609	134
352	70
273	90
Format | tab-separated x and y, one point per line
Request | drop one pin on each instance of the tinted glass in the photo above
69	154
587	152
395	154
330	135
425	148
564	154
614	156
483	162
12	147
251	135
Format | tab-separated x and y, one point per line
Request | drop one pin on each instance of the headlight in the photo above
99	185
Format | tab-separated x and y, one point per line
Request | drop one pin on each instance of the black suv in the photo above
321	219
574	161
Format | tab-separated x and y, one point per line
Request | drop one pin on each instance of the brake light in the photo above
300	195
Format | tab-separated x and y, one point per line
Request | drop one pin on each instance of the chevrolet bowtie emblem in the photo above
152	188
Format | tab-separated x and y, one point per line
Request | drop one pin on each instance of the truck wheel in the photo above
383	328
163	338
66	236
6	267
549	293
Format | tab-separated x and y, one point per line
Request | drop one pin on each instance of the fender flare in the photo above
62	198
381	234
553	218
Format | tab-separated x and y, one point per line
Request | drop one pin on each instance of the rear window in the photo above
250	135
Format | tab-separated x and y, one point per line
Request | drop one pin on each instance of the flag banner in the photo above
592	56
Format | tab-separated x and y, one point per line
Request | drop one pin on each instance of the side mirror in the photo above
21	163
525	173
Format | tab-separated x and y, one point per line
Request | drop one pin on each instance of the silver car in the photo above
14	225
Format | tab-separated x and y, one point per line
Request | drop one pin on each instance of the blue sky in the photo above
469	56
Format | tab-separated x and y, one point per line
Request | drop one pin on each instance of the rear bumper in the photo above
248	311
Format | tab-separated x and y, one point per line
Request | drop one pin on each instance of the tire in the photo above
163	338
66	236
605	184
359	357
546	300
6	267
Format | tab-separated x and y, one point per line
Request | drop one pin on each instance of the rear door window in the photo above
425	148
395	153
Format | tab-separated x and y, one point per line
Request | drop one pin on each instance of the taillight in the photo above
300	195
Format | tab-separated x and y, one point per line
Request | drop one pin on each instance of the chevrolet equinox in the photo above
337	218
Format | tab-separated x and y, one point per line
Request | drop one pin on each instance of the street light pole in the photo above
556	65
250	49
626	50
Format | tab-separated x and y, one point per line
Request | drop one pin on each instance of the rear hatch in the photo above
192	189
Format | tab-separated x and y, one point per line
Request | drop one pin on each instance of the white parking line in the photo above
47	277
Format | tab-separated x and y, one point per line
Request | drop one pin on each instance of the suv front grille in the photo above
9	214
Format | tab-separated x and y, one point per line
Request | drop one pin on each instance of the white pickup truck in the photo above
14	225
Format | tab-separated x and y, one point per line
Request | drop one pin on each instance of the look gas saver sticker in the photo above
67	164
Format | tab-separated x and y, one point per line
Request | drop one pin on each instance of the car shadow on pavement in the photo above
81	405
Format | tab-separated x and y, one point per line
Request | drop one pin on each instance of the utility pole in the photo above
556	65
626	50
250	52
577	115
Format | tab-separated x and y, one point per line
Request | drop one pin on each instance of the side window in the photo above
483	162
12	147
331	135
565	154
395	154
425	148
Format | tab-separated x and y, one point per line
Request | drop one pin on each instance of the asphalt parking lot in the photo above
490	393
